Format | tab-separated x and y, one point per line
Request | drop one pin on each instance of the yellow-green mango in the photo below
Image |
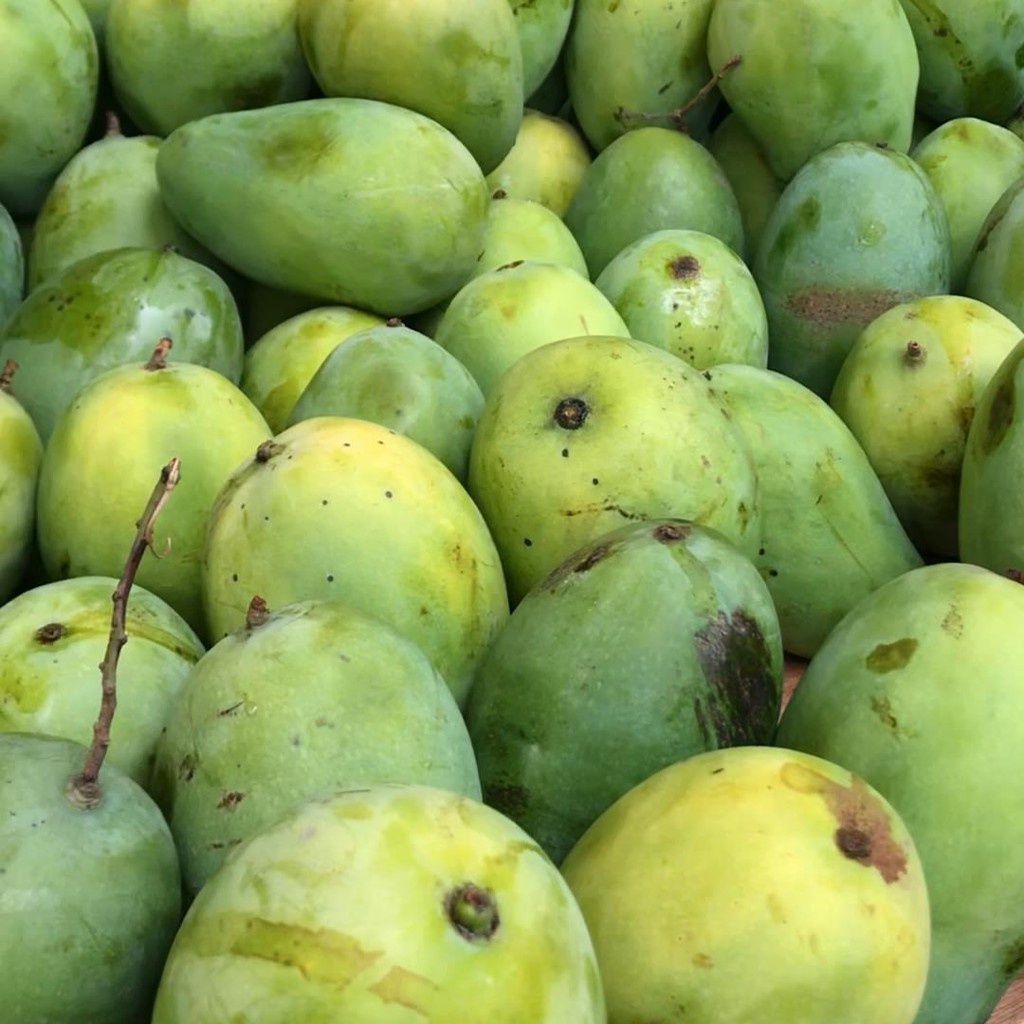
858	230
523	229
996	272
48	83
813	73
542	26
830	535
12	267
918	690
754	884
971	54
627	59
908	390
970	163
172	62
459	64
688	292
585	433
351	200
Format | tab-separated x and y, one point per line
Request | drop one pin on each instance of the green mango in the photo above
586	432
396	535
399	903
522	229
752	884
546	164
651	179
688	292
92	896
48	83
917	691
53	636
971	57
908	390
112	308
350	200
265	308
107	197
653	642
280	365
830	535
855	76
996	272
542	27
140	417
171	63
12	267
360	704
633	61
553	93
500	316
970	163
461	65
21	454
399	378
991	499
860	229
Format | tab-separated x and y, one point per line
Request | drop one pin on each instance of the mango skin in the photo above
656	641
317	698
461	66
362	490
542	27
856	78
916	692
48	82
110	309
858	230
12	267
754	877
585	432
996	274
319	887
21	455
910	408
349	200
95	896
522	229
830	535
171	63
651	179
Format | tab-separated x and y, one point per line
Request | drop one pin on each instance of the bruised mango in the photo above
996	272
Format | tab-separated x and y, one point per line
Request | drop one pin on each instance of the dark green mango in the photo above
996	272
12	267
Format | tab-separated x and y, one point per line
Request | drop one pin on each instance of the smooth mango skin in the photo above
12	267
586	432
396	535
542	27
546	163
317	698
991	500
353	890
48	82
858	230
752	884
21	454
656	641
522	229
172	62
651	179
399	378
91	899
123	426
53	637
636	57
110	309
459	65
353	201
970	163
970	54
996	274
500	316
855	78
908	391
688	292
829	533
918	691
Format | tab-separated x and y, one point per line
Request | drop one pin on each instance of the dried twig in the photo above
7	375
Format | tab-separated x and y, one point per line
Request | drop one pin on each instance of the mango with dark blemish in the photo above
830	535
858	230
384	903
996	272
12	267
919	692
655	641
752	884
